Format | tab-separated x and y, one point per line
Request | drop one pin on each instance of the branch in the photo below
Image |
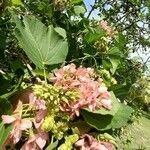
146	60
91	9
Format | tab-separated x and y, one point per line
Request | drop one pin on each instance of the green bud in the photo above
69	141
113	81
48	123
108	136
106	74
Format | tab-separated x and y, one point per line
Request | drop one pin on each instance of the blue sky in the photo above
88	4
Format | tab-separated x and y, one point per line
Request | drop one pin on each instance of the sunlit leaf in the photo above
114	51
94	34
79	10
103	119
52	146
76	1
43	45
115	61
16	2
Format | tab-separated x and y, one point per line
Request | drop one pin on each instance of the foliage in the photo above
104	120
5	131
61	70
43	48
140	92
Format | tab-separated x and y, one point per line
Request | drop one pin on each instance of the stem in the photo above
52	139
45	78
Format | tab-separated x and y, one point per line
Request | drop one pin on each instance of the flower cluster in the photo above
46	110
104	25
25	117
92	92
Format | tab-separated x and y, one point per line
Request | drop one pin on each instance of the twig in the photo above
146	60
140	57
91	9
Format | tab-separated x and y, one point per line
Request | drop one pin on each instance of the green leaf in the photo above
122	116
43	45
52	145
120	90
76	1
79	10
93	34
16	2
106	63
114	51
97	121
103	119
115	61
61	32
120	41
4	133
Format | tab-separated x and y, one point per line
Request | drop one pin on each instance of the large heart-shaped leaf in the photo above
43	45
104	119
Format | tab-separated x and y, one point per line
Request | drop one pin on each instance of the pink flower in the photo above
19	125
36	142
93	93
87	142
40	104
39	118
41	110
104	25
35	102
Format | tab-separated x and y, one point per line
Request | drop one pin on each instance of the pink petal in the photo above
40	104
100	147
89	138
31	139
107	103
38	124
102	89
30	146
40	142
8	119
32	98
108	145
77	113
40	115
79	143
44	135
16	135
18	107
25	124
27	146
